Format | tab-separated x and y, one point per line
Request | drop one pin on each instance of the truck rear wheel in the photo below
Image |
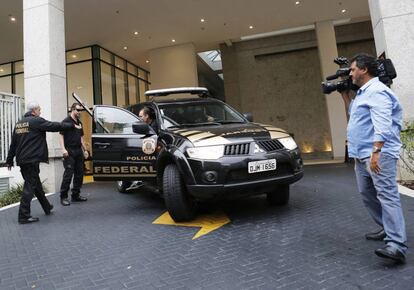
180	205
280	196
123	185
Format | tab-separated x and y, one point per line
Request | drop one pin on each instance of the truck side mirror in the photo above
142	128
248	116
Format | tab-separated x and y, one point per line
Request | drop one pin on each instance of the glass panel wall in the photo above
117	81
120	88
106	83
79	80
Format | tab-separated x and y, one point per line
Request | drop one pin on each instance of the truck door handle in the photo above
102	145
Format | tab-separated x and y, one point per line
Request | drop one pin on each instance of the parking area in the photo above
110	242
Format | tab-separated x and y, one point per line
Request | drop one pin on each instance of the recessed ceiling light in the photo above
251	27
173	40
202	20
297	2
12	18
1	70
343	10
74	56
147	61
136	33
125	47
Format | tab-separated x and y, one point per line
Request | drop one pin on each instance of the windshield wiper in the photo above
194	125
230	122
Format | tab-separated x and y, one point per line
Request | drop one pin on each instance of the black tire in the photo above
280	196
180	205
123	185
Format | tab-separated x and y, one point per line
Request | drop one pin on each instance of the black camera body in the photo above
385	71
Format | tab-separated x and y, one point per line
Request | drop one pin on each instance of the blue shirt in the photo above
375	115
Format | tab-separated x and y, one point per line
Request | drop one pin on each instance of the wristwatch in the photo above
376	149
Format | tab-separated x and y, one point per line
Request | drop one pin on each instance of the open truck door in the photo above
124	147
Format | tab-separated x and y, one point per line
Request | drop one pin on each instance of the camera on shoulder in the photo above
385	71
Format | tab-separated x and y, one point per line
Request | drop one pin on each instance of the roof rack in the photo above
183	90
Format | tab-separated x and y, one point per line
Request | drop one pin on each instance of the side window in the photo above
113	120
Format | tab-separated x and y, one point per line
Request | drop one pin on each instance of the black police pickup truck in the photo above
199	149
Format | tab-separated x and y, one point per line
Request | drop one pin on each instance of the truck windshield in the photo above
198	113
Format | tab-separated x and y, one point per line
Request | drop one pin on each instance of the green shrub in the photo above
13	194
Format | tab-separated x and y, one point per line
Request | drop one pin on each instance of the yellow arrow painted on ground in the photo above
207	222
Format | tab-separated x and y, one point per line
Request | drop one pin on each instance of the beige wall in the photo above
278	80
173	66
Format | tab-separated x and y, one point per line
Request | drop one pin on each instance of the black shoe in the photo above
389	252
50	210
377	236
28	220
79	198
64	202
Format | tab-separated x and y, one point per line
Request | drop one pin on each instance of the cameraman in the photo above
373	134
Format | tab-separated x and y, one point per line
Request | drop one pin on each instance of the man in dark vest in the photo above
74	152
29	146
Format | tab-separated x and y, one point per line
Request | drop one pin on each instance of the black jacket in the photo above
28	142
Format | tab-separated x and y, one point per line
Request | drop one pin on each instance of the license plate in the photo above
263	165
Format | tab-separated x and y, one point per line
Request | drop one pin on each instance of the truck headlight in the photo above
207	152
288	143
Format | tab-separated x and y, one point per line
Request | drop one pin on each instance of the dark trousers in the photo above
32	187
73	165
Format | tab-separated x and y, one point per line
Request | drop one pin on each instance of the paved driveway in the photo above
316	242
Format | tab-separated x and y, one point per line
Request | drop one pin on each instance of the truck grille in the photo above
237	149
270	145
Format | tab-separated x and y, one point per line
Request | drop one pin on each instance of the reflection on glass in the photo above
119	63
142	74
142	90
114	121
18	67
106	82
105	55
6	84
120	88
78	55
132	86
19	83
79	79
132	69
5	69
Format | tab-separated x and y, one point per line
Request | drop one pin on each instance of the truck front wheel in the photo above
180	205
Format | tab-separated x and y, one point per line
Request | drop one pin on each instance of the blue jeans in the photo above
382	199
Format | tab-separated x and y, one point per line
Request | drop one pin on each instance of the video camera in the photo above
386	73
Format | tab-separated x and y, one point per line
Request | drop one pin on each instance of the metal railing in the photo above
11	110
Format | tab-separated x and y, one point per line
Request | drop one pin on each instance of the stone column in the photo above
393	23
174	66
45	73
328	51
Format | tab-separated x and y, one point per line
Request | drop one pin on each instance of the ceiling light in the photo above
343	10
251	27
297	2
12	18
74	56
173	40
147	61
1	70
125	47
136	33
202	20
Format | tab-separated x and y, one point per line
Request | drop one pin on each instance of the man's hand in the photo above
374	163
65	153
85	154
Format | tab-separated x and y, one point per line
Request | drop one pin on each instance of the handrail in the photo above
11	110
